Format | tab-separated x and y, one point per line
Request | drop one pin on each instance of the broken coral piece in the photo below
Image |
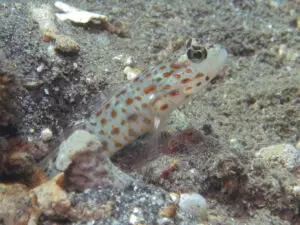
77	15
49	193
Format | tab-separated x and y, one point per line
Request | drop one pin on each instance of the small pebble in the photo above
133	219
194	205
118	57
40	68
46	134
165	221
75	66
46	91
124	59
235	143
129	61
175	197
296	190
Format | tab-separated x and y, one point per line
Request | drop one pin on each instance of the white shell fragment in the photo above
46	134
77	15
131	73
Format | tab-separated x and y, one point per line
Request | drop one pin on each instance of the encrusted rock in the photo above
283	155
193	205
79	141
15	204
66	44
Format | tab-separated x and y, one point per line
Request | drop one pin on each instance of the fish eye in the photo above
195	51
200	53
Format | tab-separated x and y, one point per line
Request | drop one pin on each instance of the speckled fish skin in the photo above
154	95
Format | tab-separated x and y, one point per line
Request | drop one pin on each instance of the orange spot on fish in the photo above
117	143
155	100
145	105
167	86
199	75
174	92
167	74
185	81
98	113
138	89
148	75
123	122
177	75
162	67
124	110
129	101
149	89
139	98
115	130
177	65
113	113
126	137
103	121
132	117
188	88
121	93
107	106
188	70
164	107
102	132
132	133
158	79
